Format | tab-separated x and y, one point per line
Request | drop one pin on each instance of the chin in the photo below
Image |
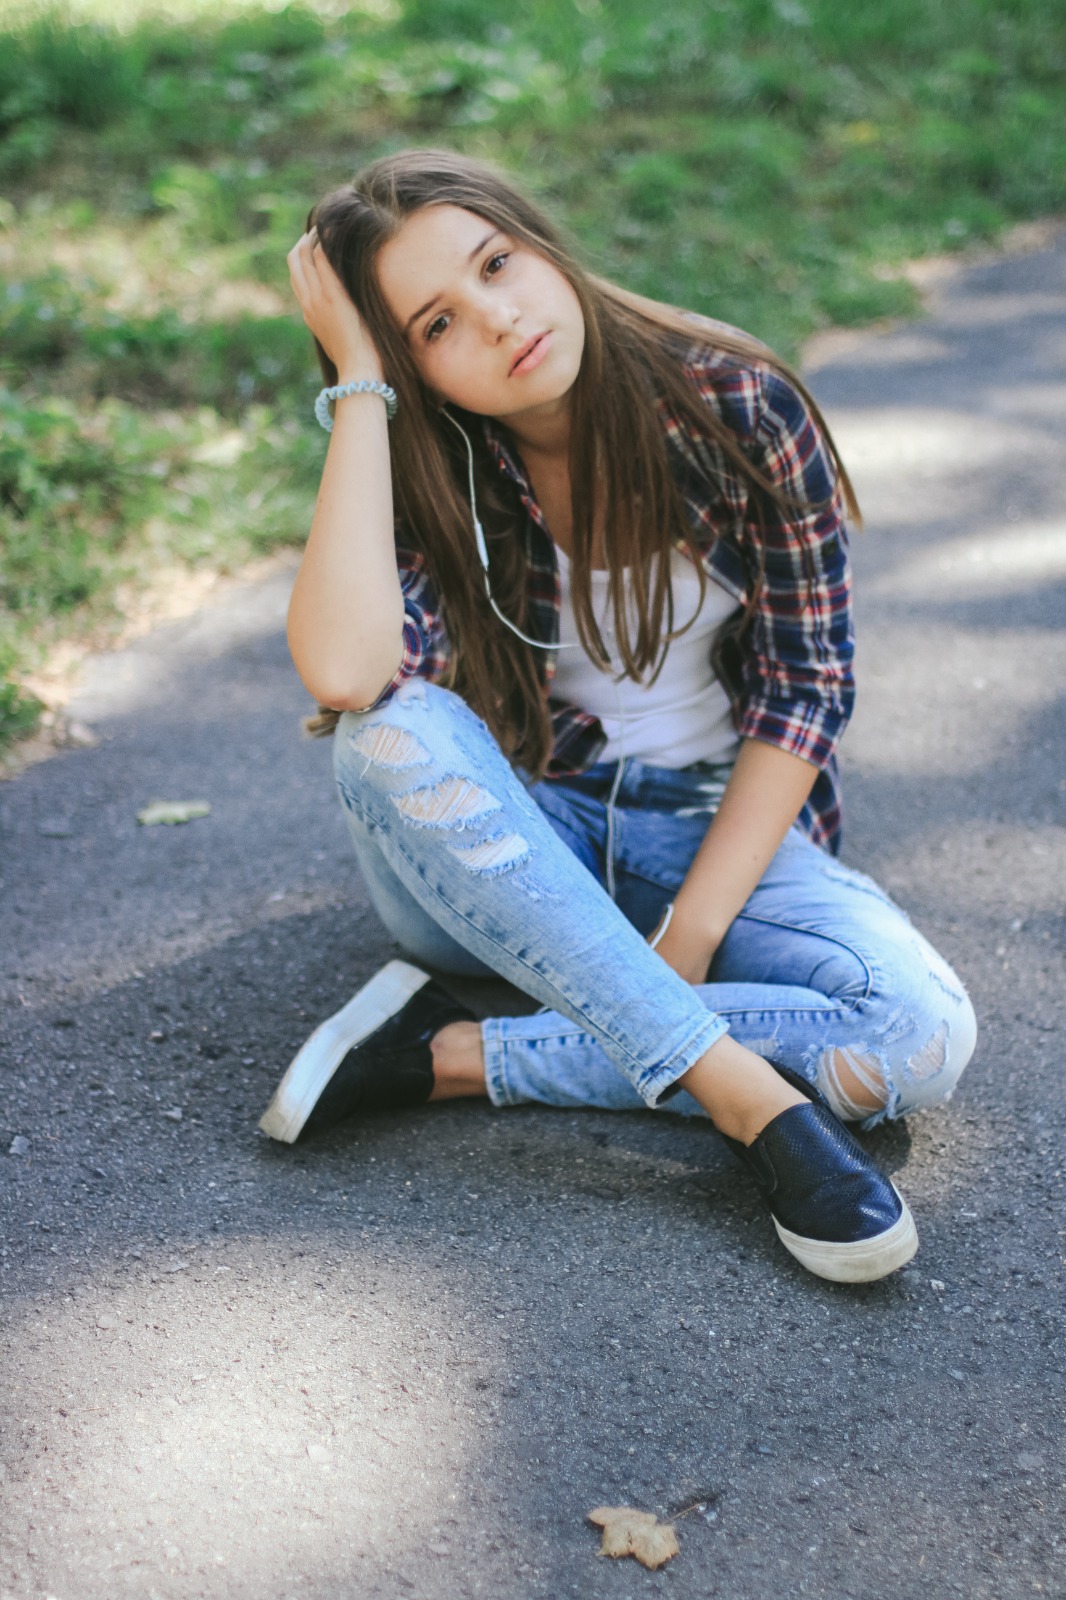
555	387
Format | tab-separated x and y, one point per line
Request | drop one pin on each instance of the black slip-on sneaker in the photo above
832	1208
372	1055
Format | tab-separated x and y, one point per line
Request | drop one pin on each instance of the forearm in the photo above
764	796
346	613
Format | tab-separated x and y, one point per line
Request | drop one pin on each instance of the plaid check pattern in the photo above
789	675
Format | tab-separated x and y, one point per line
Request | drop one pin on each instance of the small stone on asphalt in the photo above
19	1146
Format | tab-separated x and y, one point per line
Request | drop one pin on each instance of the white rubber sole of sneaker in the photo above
316	1061
862	1261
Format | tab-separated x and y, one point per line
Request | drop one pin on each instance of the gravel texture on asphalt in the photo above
406	1360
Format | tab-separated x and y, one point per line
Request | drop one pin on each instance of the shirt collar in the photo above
509	463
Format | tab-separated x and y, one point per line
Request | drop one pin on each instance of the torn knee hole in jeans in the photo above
492	855
852	1082
930	1059
451	803
855	1083
455	803
391	747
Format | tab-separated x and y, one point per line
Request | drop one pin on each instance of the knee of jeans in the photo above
912	1065
382	741
928	1074
403	764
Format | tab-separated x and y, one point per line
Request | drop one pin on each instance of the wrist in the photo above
354	364
335	393
699	922
355	372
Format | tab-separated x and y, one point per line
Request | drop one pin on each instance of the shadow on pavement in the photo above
406	1360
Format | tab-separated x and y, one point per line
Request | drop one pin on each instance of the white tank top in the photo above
685	716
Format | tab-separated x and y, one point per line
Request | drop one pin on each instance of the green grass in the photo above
767	161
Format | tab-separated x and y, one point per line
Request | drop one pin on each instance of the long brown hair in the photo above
633	363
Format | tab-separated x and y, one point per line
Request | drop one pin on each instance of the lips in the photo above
530	354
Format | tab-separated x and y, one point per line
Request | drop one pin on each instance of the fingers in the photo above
301	256
327	308
304	261
310	271
299	262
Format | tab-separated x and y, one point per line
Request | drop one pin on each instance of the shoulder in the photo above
736	376
765	409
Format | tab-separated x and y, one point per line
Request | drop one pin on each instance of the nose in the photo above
499	317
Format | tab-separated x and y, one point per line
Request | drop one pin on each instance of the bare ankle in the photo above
458	1061
739	1090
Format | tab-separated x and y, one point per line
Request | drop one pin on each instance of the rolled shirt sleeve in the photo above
798	689
426	649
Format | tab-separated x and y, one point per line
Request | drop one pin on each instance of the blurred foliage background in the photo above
771	162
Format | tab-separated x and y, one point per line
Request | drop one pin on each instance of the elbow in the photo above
355	692
344	686
354	695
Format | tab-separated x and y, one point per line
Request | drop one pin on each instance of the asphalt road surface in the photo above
408	1359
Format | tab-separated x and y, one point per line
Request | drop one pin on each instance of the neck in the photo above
543	432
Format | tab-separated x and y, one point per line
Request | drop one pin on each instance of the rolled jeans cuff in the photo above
654	1084
492	1049
518	1069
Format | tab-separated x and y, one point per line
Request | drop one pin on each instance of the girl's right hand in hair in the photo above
329	313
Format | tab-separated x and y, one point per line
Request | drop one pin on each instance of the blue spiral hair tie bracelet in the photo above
358	386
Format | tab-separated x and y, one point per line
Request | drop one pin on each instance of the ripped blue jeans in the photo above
555	886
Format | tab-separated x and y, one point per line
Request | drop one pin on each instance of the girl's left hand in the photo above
688	952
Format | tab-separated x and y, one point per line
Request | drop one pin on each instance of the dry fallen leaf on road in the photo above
627	1532
618	1524
172	811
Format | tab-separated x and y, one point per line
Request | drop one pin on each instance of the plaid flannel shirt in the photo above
789	675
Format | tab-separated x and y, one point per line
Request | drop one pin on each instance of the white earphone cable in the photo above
537	644
482	548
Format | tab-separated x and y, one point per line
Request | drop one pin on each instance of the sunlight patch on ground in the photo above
223	1415
975	714
1029	897
910	462
881	443
190	934
1012	559
168	593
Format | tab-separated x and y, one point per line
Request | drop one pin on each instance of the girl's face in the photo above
491	325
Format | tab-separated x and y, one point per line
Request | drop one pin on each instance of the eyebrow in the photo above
475	252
